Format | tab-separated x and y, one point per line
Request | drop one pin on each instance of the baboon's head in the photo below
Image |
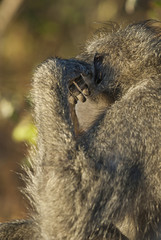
120	60
124	57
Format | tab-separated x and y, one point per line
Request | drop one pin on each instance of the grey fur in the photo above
106	182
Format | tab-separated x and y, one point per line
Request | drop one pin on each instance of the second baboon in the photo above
99	177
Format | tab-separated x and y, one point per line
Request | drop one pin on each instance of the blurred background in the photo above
30	32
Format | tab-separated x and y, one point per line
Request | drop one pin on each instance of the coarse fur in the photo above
104	181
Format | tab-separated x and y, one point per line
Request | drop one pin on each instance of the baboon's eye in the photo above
98	59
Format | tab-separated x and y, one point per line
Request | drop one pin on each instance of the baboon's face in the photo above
105	74
124	58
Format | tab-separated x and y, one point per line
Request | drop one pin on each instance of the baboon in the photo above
96	170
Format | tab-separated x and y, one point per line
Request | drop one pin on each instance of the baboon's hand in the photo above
79	88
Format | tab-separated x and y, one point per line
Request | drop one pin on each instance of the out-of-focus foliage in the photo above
155	10
25	131
42	29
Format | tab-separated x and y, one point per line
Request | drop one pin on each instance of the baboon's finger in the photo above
71	99
81	97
